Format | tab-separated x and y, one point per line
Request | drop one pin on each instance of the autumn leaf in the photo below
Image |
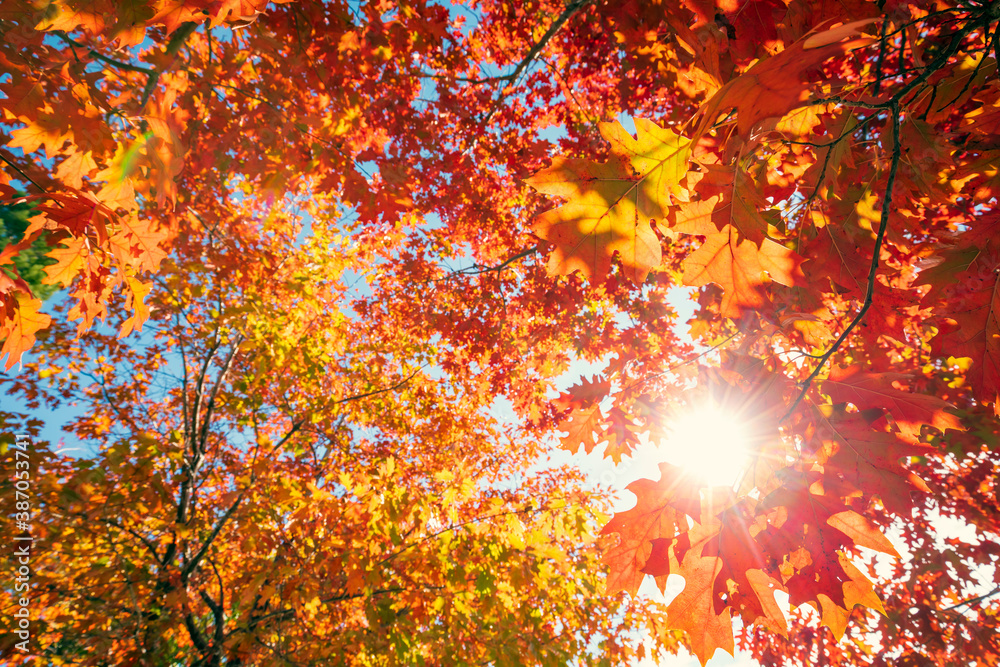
69	262
774	86
727	196
620	433
72	170
764	587
841	254
137	294
965	284
742	270
862	531
583	418
146	242
22	321
858	459
660	515
693	610
909	410
610	206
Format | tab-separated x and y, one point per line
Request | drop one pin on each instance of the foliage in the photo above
351	227
29	262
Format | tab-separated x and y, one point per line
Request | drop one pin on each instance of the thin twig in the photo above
873	269
975	70
477	269
973	601
533	52
18	170
97	54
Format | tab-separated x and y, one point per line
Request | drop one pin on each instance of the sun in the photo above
709	442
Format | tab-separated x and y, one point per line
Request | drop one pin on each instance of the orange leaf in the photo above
741	269
660	513
728	197
773	87
138	292
69	262
22	321
862	531
764	587
72	170
693	611
146	242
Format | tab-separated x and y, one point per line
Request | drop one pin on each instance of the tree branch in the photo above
24	175
974	601
571	9
148	71
873	268
219	525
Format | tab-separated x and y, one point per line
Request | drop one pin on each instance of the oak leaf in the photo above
909	410
966	286
610	206
727	196
69	262
693	610
742	270
660	513
620	433
583	417
774	86
859	460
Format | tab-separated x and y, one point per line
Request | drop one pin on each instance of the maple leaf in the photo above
174	13
742	270
22	321
611	206
76	213
626	560
807	534
875	390
857	590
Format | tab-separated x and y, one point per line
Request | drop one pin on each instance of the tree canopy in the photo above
309	252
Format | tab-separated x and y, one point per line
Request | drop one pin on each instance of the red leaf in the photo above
875	390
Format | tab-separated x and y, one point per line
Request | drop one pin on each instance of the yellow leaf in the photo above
69	262
611	206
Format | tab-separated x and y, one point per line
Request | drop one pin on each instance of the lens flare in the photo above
710	443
